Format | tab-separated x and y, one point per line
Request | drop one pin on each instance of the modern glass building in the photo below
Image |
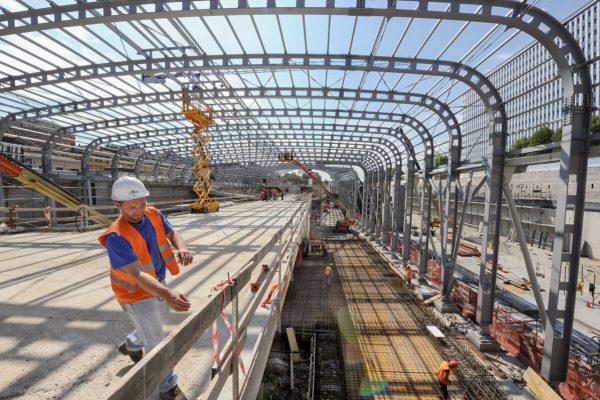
531	88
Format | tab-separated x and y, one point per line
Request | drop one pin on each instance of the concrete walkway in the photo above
61	324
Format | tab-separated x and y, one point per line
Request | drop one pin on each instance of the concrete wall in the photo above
535	194
16	194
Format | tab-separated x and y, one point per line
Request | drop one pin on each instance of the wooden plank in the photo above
538	386
291	335
432	299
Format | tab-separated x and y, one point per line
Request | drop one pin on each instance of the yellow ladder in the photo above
201	155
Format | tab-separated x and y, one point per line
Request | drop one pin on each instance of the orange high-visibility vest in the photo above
328	270
441	373
125	287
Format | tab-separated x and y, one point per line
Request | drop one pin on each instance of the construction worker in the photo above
328	274
408	272
139	248
443	375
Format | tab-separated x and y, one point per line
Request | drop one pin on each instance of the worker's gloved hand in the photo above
184	257
177	301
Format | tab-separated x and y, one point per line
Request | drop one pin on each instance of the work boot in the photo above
174	394
134	355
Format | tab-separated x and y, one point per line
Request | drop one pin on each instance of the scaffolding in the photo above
201	117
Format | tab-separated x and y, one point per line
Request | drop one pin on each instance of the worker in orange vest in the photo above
408	272
443	375
139	249
328	274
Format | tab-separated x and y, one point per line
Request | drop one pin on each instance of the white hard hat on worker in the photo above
128	188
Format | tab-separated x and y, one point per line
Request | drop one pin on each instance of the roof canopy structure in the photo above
341	83
271	70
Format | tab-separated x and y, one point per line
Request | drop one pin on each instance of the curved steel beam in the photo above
428	102
349	142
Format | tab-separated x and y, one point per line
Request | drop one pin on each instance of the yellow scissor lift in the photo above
201	117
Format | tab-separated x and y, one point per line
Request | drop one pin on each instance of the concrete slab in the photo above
61	324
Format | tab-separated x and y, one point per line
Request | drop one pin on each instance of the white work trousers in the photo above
148	316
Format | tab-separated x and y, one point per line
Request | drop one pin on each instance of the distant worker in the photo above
138	248
328	274
408	271
580	286
592	290
443	376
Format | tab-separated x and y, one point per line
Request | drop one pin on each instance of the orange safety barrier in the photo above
465	298
434	273
520	340
268	299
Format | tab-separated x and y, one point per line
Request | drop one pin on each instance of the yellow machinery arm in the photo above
289	158
37	182
192	110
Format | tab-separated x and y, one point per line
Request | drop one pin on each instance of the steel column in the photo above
365	204
380	195
373	207
491	231
387	218
397	217
408	202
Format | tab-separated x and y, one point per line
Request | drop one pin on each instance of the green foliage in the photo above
520	144
441	159
595	124
557	135
541	136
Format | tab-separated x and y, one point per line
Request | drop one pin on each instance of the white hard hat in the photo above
128	188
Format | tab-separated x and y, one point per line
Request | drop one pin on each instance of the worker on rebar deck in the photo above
328	274
408	272
443	376
139	248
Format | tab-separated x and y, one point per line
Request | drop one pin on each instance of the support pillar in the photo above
397	217
2	197
387	208
490	242
425	225
408	201
373	206
448	232
364	218
379	213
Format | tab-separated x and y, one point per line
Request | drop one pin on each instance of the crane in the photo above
42	185
341	225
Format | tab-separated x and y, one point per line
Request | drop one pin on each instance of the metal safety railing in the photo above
145	376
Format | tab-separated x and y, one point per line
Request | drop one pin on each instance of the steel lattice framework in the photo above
334	83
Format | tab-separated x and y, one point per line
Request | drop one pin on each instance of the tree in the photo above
595	124
541	136
520	144
441	159
557	135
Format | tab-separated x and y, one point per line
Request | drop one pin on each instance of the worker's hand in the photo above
184	257
177	301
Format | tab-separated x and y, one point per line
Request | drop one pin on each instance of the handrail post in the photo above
235	341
